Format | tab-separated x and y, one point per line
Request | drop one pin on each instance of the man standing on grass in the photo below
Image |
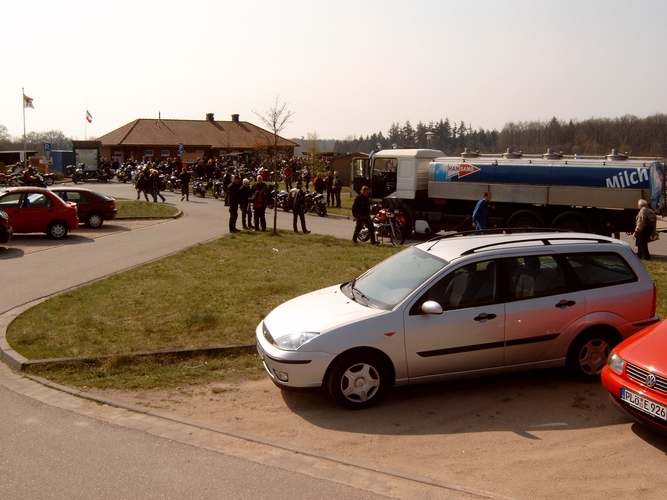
298	207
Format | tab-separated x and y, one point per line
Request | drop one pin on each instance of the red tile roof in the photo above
207	133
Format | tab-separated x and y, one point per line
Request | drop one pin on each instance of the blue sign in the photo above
47	146
181	149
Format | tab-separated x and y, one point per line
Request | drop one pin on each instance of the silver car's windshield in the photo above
393	279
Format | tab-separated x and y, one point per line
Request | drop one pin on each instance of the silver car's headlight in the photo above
616	363
293	341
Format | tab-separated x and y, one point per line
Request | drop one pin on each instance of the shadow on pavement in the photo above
522	403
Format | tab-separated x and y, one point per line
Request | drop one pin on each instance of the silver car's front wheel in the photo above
357	380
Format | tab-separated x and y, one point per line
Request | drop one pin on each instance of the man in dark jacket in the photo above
298	207
234	197
361	211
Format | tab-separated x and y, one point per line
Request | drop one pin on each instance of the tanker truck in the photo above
434	192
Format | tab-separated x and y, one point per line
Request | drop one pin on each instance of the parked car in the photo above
636	376
6	229
38	210
94	208
462	306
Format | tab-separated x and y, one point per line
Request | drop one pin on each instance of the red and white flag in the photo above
27	102
89	117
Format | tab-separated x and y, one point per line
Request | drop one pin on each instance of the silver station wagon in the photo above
461	306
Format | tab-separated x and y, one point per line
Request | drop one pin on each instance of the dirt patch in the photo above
536	435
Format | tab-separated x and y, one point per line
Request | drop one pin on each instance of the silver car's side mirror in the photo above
431	307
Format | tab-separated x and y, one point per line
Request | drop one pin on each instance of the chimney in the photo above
235	118
209	117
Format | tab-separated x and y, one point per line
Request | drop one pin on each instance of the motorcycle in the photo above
102	175
49	179
218	189
124	173
173	183
316	203
77	173
199	187
387	223
284	200
32	177
11	179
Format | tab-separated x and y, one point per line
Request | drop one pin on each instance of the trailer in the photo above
436	192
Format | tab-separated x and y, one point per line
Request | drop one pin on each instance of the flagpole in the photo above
23	105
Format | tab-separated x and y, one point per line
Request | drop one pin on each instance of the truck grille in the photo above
639	374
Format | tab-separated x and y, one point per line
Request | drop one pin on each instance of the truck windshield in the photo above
392	280
384	177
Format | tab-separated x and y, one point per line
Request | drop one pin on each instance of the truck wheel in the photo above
574	224
524	220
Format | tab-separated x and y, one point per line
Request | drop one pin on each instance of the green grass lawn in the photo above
209	295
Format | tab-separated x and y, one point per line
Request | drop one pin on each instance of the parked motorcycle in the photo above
124	173
387	223
284	200
77	173
173	183
218	189
102	175
31	177
199	187
49	179
316	203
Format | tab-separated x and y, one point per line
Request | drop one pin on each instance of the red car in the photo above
636	376
6	229
38	210
94	208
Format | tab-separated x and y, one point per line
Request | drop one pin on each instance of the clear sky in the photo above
345	68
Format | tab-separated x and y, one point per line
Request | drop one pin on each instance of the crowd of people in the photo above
247	185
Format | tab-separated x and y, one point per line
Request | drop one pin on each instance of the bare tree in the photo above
275	119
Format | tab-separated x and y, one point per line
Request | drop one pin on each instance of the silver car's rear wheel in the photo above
357	380
588	354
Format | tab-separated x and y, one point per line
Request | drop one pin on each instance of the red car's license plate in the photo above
643	404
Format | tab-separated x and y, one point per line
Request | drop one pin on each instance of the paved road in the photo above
49	452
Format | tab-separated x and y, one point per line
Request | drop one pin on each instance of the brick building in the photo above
158	139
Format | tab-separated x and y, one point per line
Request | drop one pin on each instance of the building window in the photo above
164	152
148	152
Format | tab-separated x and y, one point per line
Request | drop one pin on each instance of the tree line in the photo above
34	140
595	136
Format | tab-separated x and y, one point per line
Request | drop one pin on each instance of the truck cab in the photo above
397	172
